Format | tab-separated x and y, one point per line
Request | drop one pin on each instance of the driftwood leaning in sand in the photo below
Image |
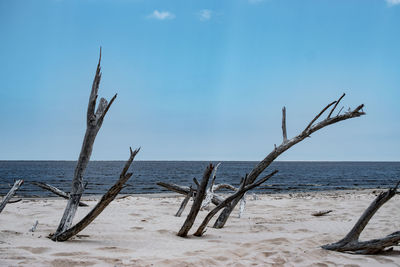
56	191
94	120
350	242
286	144
103	203
10	194
191	217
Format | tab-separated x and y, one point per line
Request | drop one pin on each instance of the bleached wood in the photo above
10	194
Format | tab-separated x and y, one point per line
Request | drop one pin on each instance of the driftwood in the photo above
321	213
33	229
184	203
184	190
197	203
11	201
10	194
56	191
238	194
101	205
350	242
286	144
94	120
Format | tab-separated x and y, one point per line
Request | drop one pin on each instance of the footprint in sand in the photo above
136	228
35	250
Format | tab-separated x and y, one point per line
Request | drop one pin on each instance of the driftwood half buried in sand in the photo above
94	120
10	194
11	201
184	203
238	194
312	127
56	191
321	213
102	204
191	217
350	242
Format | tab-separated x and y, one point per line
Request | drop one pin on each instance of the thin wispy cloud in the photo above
205	14
393	2
161	15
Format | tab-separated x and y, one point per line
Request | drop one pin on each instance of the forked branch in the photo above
312	127
102	204
350	242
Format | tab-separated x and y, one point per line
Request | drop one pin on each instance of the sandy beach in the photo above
140	230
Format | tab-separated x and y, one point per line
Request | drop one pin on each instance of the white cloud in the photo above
161	15
205	14
393	2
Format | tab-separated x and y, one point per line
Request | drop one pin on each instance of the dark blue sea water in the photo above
292	176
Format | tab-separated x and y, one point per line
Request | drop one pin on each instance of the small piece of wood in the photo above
11	201
56	191
33	229
184	203
10	194
350	242
321	213
197	203
101	205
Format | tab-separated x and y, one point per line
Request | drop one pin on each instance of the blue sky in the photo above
199	80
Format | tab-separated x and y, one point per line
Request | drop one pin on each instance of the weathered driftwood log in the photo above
238	194
102	204
184	203
10	194
350	242
184	190
286	144
94	120
56	191
197	203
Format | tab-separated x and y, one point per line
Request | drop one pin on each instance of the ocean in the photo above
292	176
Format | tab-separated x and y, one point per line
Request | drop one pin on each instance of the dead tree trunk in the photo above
197	203
350	242
238	194
94	120
10	194
286	144
101	205
184	203
56	191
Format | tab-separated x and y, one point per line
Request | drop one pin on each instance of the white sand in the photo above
275	230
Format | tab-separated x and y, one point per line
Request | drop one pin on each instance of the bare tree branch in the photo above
262	165
10	194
